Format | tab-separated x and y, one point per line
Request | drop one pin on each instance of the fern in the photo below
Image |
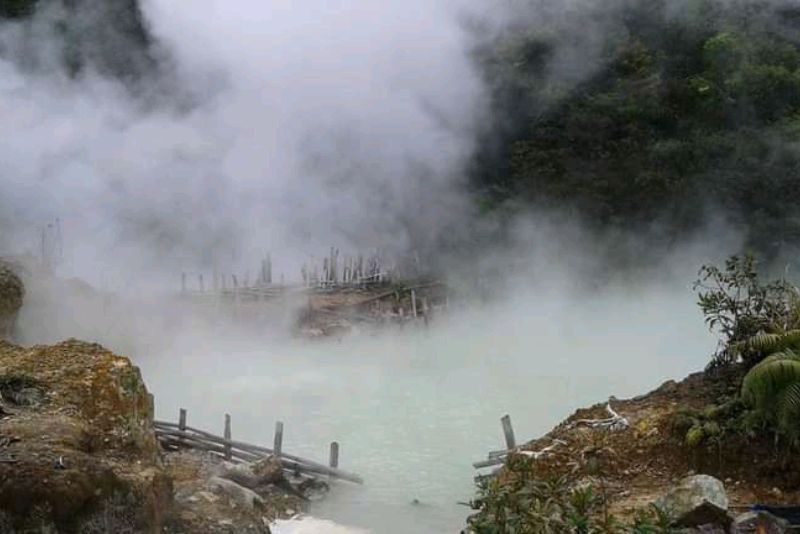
767	343
773	388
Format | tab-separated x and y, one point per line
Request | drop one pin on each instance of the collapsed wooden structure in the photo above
176	436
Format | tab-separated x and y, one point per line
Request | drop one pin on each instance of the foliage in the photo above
753	318
109	36
522	503
759	325
678	112
772	387
16	8
712	426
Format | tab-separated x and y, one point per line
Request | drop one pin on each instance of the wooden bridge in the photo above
176	436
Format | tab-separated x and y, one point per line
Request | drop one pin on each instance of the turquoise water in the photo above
413	411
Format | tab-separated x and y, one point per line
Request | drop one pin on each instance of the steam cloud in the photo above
278	126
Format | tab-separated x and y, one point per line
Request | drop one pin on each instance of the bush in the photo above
523	503
746	312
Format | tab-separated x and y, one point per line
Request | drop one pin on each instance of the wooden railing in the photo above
178	435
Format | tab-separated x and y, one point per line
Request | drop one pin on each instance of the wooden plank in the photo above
182	420
227	436
184	442
490	462
278	443
508	431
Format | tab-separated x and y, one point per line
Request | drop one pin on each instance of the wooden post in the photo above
414	303
278	445
182	422
509	432
334	456
183	282
202	284
228	436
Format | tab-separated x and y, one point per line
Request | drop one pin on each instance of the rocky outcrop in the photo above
77	447
697	500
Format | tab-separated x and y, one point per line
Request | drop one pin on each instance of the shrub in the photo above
748	314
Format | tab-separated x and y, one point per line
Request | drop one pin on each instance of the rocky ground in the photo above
214	496
637	461
78	453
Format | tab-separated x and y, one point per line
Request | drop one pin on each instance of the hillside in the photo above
637	113
109	37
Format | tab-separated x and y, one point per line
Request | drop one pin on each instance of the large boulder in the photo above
77	448
698	500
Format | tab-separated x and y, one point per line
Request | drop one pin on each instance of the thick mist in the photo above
289	127
278	127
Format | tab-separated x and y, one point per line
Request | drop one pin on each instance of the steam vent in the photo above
12	291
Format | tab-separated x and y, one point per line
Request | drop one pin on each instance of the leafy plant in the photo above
751	316
521	503
773	388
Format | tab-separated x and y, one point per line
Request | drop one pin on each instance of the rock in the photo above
256	475
83	442
269	470
696	500
236	493
761	522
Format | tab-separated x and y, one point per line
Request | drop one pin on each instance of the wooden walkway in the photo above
176	436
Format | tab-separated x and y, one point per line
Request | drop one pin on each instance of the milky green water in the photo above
413	411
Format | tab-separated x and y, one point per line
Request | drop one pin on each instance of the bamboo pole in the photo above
333	457
227	437
508	431
278	443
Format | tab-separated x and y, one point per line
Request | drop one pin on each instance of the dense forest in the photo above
687	110
634	114
109	37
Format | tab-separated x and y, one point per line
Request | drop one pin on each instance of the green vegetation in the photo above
109	36
16	8
752	318
772	387
523	503
759	326
681	114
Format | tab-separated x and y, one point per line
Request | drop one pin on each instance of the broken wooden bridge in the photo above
176	436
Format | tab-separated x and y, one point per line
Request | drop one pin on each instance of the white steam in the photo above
308	124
